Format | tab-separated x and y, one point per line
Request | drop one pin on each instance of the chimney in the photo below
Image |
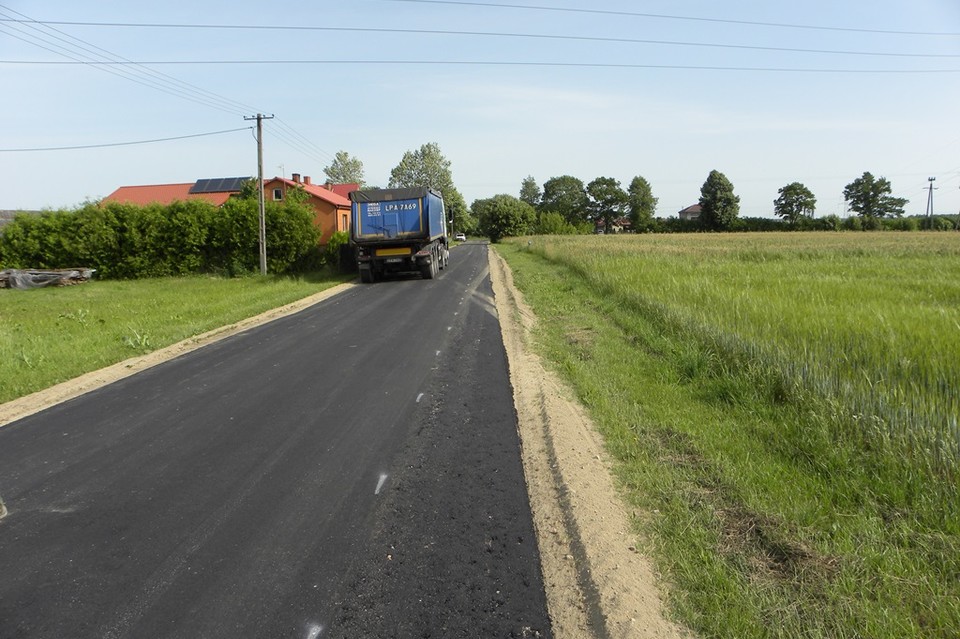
306	180
296	178
329	185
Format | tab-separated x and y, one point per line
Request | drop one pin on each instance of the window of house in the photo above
277	195
343	220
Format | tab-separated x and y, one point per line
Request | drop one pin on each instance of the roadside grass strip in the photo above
51	335
783	412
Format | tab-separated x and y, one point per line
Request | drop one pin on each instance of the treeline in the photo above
565	205
125	241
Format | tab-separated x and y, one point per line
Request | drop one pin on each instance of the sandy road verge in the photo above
36	402
597	584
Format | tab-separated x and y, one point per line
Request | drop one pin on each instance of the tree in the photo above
529	191
345	169
608	201
428	167
641	204
719	207
795	202
870	198
503	216
567	196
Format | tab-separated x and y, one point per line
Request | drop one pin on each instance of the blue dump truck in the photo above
399	231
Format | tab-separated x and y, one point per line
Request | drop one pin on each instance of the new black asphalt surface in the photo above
349	471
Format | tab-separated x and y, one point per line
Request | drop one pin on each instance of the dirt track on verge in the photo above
597	584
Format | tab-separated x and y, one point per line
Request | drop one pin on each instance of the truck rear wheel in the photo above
366	276
429	271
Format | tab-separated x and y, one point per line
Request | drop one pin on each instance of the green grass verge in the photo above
768	506
50	335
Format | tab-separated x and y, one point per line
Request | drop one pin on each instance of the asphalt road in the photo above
349	471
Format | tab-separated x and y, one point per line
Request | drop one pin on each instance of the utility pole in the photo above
263	213
930	198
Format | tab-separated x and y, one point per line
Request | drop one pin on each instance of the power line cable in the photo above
504	63
112	144
662	16
304	139
140	74
497	34
146	77
100	64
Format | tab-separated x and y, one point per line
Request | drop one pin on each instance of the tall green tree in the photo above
530	192
427	166
567	196
641	204
796	201
503	216
345	169
870	198
608	202
719	207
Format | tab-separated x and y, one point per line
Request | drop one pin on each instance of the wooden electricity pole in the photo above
263	214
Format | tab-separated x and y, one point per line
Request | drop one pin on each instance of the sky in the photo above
768	93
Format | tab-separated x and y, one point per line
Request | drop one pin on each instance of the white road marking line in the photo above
419	397
438	353
313	631
383	480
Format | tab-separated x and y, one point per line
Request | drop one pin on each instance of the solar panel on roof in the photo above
218	185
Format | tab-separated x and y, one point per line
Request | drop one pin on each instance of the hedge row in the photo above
124	241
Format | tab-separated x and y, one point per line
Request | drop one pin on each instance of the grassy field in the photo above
51	335
783	409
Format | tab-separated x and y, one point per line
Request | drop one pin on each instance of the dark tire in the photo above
366	276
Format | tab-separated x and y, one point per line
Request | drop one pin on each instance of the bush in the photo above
554	224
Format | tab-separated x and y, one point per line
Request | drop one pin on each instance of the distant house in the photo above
690	213
620	225
329	201
215	190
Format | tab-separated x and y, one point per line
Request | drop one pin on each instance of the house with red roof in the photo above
215	190
329	201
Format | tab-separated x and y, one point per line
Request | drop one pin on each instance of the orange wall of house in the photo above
326	216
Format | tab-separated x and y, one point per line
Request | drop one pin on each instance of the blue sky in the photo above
496	123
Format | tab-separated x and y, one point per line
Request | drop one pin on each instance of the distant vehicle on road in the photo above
460	237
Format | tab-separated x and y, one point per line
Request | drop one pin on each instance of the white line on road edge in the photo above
3	509
419	397
314	631
383	480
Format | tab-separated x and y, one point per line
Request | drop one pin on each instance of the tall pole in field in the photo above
930	199
263	214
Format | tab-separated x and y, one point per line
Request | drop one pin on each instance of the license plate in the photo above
394	260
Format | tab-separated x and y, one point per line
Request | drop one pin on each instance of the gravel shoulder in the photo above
597	583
